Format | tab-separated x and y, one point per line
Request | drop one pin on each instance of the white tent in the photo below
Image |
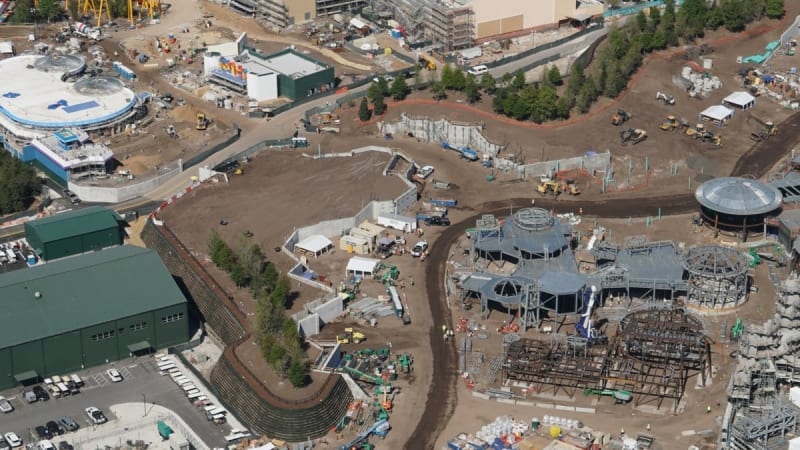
740	99
362	266
718	114
315	245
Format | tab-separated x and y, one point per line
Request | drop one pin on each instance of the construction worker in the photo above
451	333
444	328
708	409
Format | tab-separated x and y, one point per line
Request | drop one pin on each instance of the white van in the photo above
478	70
76	379
63	388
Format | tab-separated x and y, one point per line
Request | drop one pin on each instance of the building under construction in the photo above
649	359
445	24
717	277
759	414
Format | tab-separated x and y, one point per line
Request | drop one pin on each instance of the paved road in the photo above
140	378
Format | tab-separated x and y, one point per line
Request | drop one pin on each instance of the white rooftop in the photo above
717	112
83	154
315	243
290	64
36	98
363	265
739	98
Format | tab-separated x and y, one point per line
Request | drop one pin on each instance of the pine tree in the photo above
364	114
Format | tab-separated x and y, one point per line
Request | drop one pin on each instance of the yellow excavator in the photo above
202	121
549	187
350	335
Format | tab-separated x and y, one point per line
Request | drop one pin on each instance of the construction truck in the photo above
549	187
86	31
569	187
768	129
710	137
325	118
697	131
632	135
666	98
426	61
202	121
620	117
673	123
350	335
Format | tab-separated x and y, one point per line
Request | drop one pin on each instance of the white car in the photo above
13	440
5	406
426	171
419	249
46	445
114	375
95	415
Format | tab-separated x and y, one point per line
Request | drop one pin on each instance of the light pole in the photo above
144	404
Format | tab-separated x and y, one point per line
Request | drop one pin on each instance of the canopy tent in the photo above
740	99
362	266
315	245
717	114
27	376
140	347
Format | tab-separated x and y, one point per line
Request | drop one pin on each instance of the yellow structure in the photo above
97	10
358	245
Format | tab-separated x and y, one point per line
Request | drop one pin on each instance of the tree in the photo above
471	90
562	108
438	91
379	106
364	114
554	76
214	243
239	275
23	12
641	20
775	9
298	373
505	80
221	254
374	91
399	88
733	14
519	80
447	76
488	83
49	9
655	17
418	79
73	10
459	79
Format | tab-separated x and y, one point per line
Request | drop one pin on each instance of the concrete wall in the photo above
102	194
595	165
308	325
327	310
438	131
493	17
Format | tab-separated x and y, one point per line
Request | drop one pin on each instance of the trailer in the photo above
402	223
396	302
123	71
443	202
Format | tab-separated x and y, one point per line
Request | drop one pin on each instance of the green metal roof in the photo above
81	291
74	223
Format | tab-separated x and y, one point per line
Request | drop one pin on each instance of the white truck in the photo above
83	30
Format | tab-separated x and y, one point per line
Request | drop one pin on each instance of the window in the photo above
121	331
103	336
172	318
138	326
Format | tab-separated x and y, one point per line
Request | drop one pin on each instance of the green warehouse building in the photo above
75	232
78	312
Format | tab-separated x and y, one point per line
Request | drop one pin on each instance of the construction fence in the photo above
443	130
594	164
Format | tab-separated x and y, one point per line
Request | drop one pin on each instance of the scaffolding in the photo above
717	277
652	355
765	430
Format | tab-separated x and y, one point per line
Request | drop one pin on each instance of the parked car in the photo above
42	432
419	249
114	375
30	396
41	393
95	415
426	171
72	197
54	428
64	445
68	423
46	445
436	220
12	439
5	406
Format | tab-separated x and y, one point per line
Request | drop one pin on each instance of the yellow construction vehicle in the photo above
350	335
697	131
570	187
768	129
426	61
620	117
672	123
202	121
548	186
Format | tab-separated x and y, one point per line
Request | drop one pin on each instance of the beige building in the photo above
503	17
282	13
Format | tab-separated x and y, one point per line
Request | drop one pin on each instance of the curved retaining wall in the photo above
241	390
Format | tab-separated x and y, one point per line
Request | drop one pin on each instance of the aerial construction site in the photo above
456	277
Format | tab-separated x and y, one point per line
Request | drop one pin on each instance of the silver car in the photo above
5	406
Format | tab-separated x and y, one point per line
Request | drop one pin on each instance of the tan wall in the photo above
299	8
504	16
566	8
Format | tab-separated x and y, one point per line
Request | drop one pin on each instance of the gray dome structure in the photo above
738	196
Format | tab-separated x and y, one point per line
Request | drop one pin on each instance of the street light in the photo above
144	403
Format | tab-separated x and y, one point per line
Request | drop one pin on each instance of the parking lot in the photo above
141	384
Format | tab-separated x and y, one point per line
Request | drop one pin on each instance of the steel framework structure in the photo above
716	276
652	355
751	432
